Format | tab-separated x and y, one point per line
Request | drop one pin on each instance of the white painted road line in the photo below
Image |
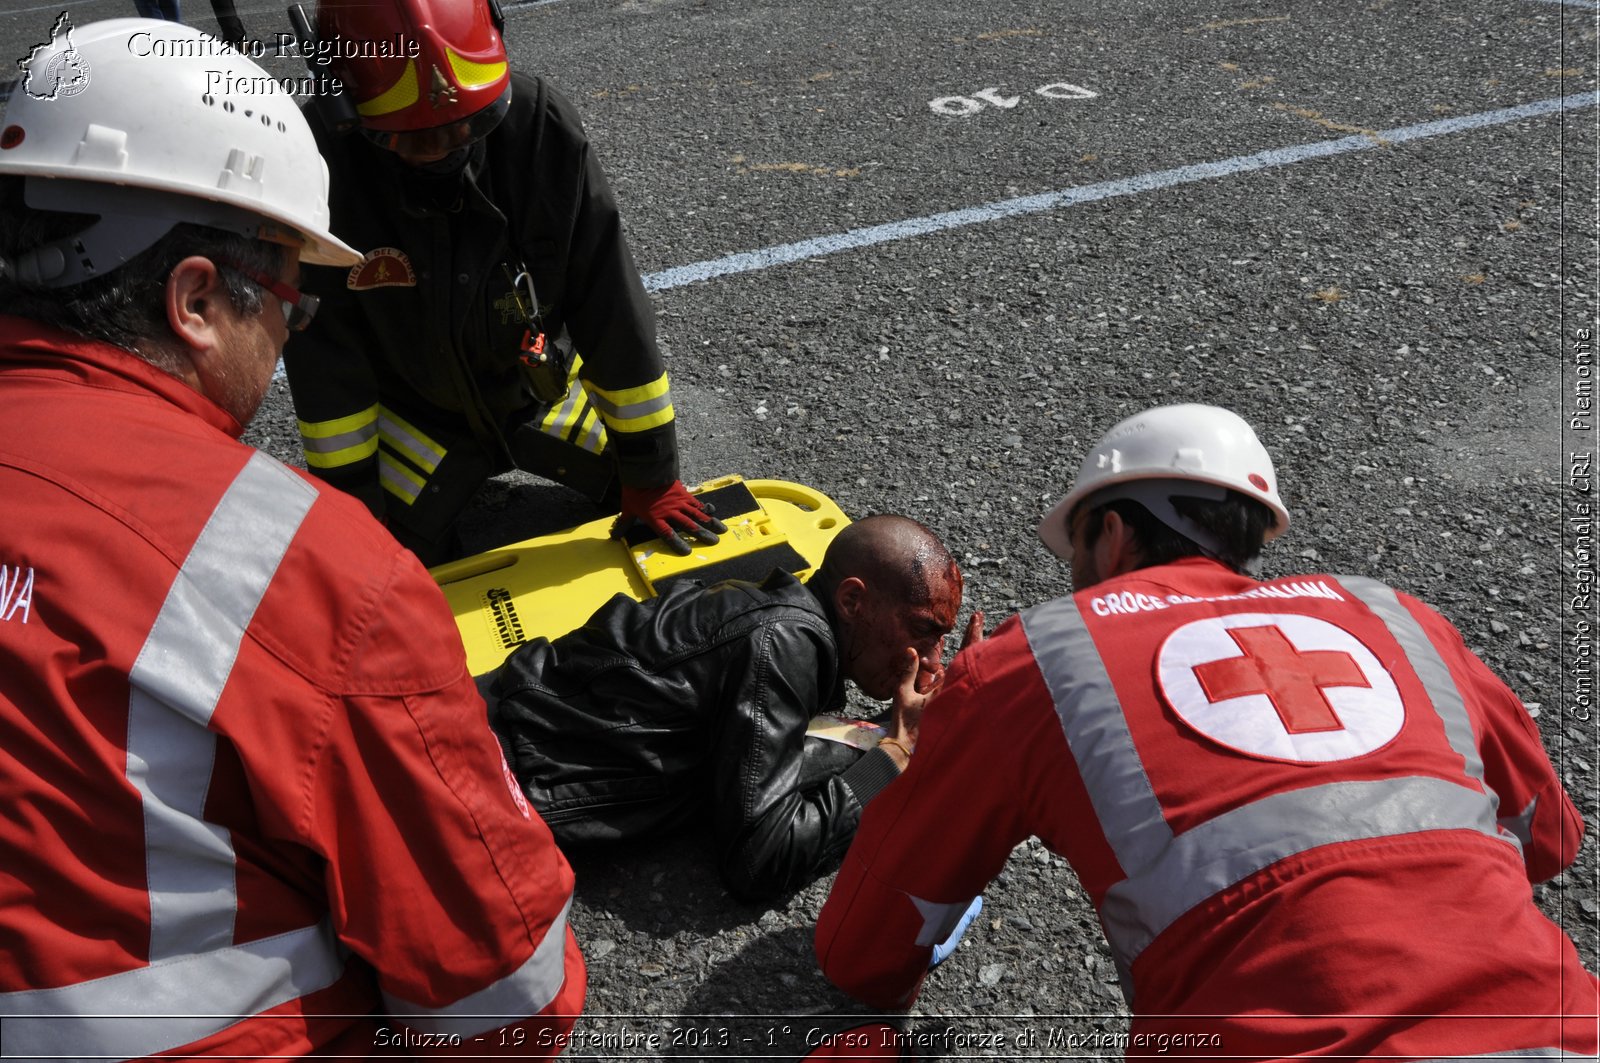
1588	5
781	254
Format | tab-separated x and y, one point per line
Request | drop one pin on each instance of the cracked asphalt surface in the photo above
1403	322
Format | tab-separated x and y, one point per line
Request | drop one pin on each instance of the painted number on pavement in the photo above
962	106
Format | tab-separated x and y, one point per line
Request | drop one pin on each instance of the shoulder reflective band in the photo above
1168	874
523	993
1429	666
176	680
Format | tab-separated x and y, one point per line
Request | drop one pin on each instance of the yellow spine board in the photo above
549	585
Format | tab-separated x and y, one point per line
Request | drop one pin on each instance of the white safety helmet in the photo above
148	123
1165	451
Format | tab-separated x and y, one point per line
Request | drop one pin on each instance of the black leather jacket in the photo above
695	702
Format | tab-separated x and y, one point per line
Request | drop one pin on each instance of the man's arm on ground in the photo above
773	831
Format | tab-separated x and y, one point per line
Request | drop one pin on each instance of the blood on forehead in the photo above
944	595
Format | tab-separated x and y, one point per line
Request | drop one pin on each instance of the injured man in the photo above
695	705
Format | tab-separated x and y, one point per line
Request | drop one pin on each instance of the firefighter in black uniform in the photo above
497	319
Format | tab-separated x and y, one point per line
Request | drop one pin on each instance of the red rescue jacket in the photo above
1307	815
253	805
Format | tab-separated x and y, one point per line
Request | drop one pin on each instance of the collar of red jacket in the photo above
39	350
1195	574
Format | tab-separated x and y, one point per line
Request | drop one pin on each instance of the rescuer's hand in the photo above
972	634
669	512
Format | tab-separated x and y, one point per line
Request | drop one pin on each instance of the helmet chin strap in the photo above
1156	496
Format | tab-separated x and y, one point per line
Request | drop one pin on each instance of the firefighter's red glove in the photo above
670	512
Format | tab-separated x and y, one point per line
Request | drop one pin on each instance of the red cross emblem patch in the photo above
1280	685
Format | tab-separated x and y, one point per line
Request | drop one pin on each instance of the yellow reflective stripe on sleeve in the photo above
562	415
409	441
340	441
333	459
593	435
635	409
400	95
398	480
338	426
576	419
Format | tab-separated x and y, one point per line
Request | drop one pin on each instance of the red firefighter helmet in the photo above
425	75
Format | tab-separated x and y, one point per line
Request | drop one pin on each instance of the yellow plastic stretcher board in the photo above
549	585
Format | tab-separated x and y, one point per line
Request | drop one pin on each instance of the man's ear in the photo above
1117	550
850	599
195	295
196	298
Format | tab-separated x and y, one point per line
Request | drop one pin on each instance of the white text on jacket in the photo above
1128	602
16	592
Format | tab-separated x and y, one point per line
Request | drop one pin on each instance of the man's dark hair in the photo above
123	307
1238	523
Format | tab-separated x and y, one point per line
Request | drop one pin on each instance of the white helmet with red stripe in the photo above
1158	453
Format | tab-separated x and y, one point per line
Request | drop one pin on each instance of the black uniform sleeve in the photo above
328	366
773	831
335	393
610	317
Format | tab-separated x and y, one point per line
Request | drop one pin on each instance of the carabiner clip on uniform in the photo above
546	377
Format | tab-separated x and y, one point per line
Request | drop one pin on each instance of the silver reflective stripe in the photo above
197	982
1521	826
165	1006
1428	665
594	437
331	444
613	412
558	420
402	437
1229	848
1097	732
176	680
519	995
395	479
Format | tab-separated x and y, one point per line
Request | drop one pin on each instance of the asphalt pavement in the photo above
920	256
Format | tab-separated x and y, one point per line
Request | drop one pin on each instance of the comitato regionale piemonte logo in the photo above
55	69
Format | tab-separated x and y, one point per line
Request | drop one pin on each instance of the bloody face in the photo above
889	623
